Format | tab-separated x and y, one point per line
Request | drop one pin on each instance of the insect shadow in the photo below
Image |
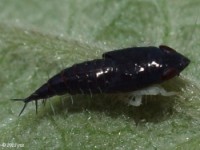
154	108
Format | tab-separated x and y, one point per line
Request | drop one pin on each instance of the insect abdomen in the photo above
84	78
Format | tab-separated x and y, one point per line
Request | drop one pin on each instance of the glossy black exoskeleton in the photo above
121	70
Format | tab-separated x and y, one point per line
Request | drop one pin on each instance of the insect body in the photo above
122	70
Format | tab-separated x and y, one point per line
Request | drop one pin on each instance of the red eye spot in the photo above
166	49
169	73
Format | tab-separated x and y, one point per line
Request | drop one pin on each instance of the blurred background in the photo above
39	38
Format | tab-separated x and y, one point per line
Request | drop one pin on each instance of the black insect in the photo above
121	70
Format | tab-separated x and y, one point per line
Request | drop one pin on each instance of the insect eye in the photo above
169	73
166	49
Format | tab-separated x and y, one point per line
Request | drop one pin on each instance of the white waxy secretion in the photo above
135	98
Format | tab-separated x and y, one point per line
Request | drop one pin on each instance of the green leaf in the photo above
40	38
